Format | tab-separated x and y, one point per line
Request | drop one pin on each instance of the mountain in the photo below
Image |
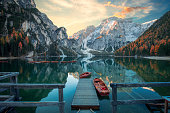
22	16
76	40
153	42
109	36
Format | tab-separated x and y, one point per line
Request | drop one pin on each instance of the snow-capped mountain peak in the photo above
110	35
150	22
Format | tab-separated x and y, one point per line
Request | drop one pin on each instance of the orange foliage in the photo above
27	39
152	49
141	48
99	37
13	30
20	35
12	35
168	40
20	45
16	35
7	39
156	49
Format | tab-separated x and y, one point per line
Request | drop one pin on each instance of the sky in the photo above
76	15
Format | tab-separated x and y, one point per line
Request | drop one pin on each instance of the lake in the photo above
109	69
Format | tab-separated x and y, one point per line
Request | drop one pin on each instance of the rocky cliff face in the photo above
110	35
153	42
23	15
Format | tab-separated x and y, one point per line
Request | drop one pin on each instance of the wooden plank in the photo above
2	90
91	101
145	84
8	75
13	90
31	86
141	101
5	96
85	96
116	102
85	111
60	94
85	88
4	73
114	98
11	98
28	104
166	107
167	98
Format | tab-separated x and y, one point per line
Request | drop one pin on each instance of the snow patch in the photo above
37	19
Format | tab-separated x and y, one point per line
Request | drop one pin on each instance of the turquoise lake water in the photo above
109	69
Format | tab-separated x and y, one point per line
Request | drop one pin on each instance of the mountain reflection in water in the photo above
109	69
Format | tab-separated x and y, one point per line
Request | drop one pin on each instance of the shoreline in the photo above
158	58
11	58
146	57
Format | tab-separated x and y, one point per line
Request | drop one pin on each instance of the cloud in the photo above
62	3
129	11
74	15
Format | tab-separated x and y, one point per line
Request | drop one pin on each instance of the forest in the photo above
15	44
153	42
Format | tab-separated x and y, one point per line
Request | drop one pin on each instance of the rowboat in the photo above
32	61
3	61
54	61
101	87
44	61
85	75
71	61
63	62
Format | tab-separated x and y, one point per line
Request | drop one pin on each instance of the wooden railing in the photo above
116	102
14	93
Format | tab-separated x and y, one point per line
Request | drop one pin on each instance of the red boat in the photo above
63	62
54	61
101	87
73	61
32	61
44	61
3	61
85	75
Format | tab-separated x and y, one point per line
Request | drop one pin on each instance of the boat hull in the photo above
101	87
85	75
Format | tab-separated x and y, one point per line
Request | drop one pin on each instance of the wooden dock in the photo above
13	100
85	96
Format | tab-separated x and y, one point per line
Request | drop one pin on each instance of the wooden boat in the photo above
3	61
73	61
44	61
32	61
63	62
54	61
85	75
101	87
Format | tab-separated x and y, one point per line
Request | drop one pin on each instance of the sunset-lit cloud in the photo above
62	3
129	11
75	15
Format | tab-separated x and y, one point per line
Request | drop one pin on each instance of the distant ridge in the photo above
153	42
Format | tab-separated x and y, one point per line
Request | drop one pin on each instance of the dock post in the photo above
14	91
114	98
61	104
